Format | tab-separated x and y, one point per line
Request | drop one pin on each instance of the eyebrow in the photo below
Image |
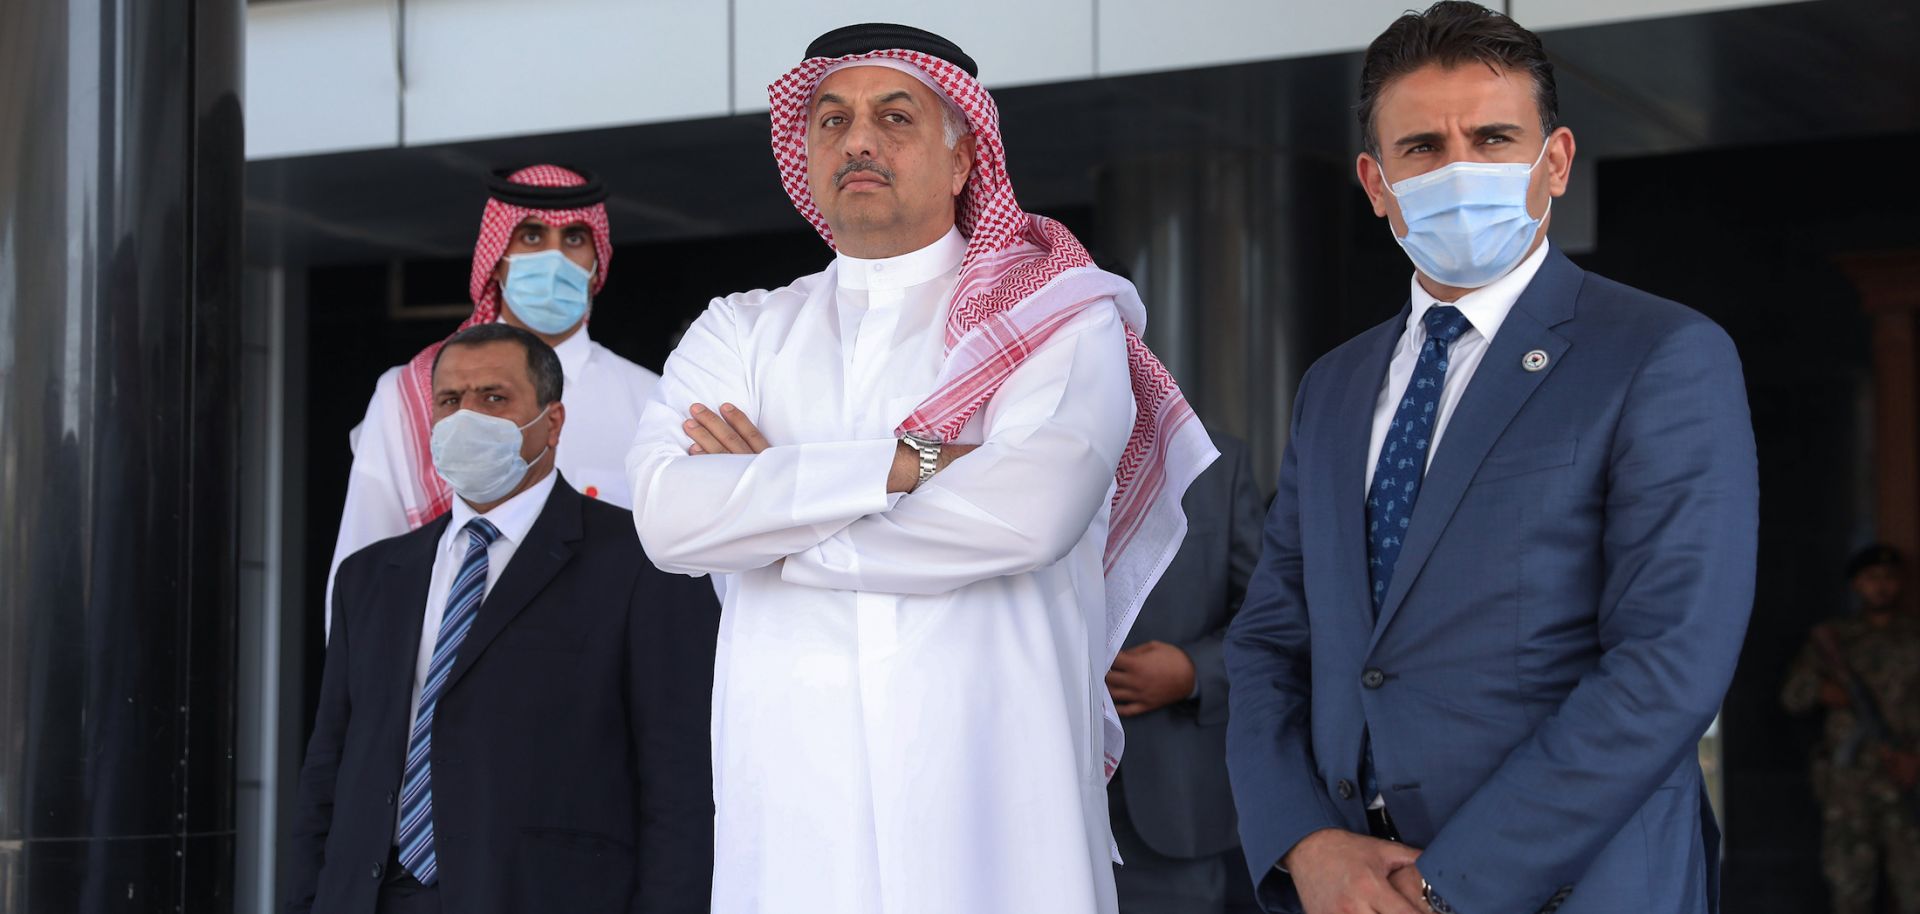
1434	136
455	391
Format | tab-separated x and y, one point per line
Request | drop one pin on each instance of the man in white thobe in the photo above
542	254
908	697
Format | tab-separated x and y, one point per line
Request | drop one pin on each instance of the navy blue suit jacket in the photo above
1560	629
571	768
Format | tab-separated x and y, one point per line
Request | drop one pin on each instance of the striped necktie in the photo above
416	794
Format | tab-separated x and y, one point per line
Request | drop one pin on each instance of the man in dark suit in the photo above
1171	808
1511	558
513	716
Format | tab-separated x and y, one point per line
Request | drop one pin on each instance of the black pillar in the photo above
1233	254
120	182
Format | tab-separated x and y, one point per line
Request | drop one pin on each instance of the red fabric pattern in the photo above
429	496
1013	257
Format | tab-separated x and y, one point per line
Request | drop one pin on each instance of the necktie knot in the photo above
481	532
1445	323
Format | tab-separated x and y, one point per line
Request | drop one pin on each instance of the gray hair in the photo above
953	124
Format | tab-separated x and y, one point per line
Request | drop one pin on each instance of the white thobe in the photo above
907	693
603	393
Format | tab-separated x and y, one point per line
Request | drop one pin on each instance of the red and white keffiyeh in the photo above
424	494
1024	277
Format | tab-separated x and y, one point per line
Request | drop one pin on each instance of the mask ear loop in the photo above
1542	157
530	422
537	417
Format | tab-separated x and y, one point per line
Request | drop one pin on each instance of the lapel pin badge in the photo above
1534	361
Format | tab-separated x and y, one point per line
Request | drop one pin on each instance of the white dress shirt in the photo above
513	518
907	704
603	394
1486	309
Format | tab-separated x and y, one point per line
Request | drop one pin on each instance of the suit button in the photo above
1373	678
389	798
1346	789
379	868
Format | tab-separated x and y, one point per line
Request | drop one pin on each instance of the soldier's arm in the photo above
1802	690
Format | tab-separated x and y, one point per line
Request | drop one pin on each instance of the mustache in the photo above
840	175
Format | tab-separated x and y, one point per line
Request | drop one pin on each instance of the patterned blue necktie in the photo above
1403	453
1402	467
416	793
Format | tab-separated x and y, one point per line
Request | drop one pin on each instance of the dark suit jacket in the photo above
571	769
1175	769
1560	629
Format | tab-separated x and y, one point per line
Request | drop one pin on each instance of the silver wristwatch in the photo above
929	451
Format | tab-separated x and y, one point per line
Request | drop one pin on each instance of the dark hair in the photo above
1873	556
1451	33
543	367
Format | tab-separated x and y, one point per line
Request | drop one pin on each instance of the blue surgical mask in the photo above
1467	223
547	291
479	455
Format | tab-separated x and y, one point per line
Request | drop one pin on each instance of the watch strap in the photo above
929	452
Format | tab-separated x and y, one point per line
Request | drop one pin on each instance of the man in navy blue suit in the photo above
514	712
1509	566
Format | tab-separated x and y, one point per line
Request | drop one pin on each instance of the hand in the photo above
725	432
1834	695
905	474
1903	767
1407	881
1339	872
1149	677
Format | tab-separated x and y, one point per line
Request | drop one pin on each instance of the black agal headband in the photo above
527	195
868	37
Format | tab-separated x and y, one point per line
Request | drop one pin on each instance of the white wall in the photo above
1143	35
321	77
327	75
1560	14
1050	41
483	68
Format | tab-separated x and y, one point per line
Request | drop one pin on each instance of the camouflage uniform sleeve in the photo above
1802	691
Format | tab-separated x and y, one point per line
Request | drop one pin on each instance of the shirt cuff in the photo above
860	469
849	478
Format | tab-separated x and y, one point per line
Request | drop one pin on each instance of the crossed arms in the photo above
714	495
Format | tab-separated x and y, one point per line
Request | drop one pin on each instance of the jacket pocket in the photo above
560	869
1526	459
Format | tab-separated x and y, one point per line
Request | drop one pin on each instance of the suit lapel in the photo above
548	548
404	583
1500	387
1346	479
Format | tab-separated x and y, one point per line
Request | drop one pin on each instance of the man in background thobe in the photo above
941	475
541	257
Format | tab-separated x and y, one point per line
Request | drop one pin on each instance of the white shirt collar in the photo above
909	269
1485	308
513	517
